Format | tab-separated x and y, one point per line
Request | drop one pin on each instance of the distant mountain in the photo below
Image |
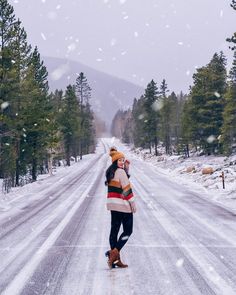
108	93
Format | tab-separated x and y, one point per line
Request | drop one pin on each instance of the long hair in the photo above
111	172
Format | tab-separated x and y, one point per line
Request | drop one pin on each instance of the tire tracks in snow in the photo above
51	197
46	265
169	221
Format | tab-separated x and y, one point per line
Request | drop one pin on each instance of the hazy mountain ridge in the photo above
109	93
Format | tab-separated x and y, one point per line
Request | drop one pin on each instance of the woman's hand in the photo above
133	207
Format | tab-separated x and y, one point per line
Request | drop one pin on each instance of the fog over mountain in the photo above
108	93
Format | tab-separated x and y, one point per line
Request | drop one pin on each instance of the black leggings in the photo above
118	218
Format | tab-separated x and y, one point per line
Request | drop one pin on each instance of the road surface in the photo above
54	241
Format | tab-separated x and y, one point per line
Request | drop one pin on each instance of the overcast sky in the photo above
137	40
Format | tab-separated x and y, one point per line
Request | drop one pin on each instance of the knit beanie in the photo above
115	155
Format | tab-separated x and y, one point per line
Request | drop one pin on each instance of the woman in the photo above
121	203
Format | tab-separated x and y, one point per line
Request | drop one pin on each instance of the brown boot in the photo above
113	257
120	263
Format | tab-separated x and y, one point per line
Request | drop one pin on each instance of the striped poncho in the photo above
120	193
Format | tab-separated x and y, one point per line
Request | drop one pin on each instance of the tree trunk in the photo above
187	150
17	174
155	146
81	149
34	169
50	164
34	161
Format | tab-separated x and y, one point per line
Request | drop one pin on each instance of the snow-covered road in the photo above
54	242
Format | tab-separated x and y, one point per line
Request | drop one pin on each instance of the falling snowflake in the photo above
4	105
221	13
140	117
71	47
167	26
180	262
157	105
100	49
211	268
125	238
126	17
58	7
123	52
99	59
180	43
217	94
188	73
113	42
43	36
122	1
135	34
59	72
211	139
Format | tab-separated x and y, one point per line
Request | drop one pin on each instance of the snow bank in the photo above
189	171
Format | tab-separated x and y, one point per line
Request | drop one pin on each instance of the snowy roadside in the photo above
188	172
30	191
19	196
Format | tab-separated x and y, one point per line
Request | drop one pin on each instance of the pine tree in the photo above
21	57
187	127
14	60
89	135
138	124
117	124
7	76
207	104
70	122
36	114
163	89
169	123
151	115
83	91
229	115
121	126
